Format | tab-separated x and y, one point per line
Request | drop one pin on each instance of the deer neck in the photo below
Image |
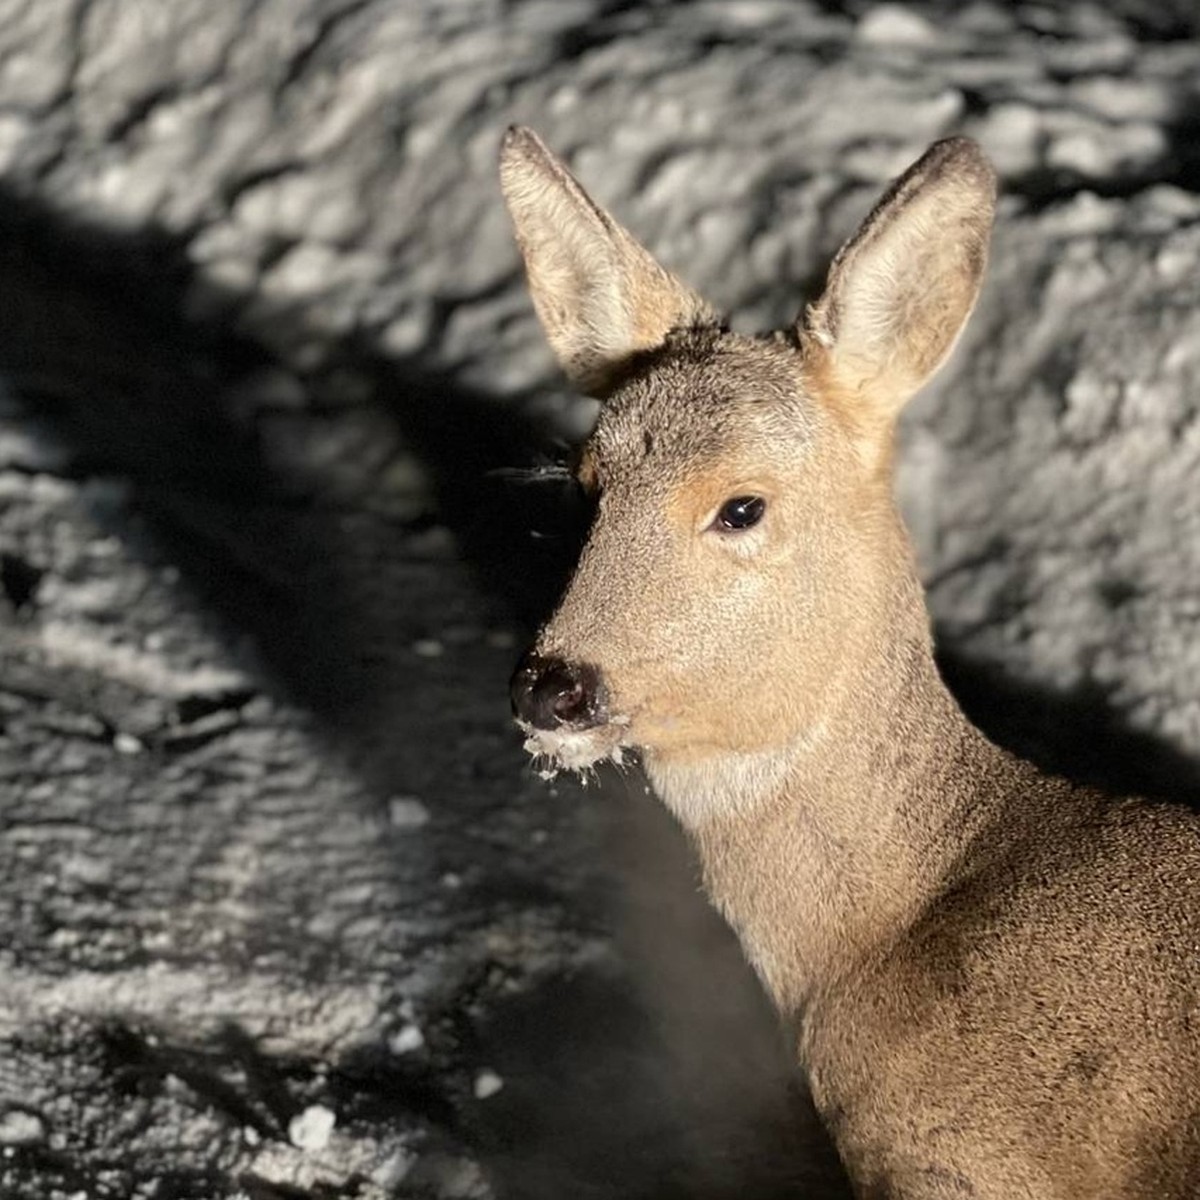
821	850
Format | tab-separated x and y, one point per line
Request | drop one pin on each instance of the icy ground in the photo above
283	913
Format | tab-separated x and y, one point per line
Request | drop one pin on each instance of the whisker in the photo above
541	473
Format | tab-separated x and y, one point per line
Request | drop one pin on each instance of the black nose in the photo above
549	693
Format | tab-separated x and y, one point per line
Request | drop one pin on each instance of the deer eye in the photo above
741	512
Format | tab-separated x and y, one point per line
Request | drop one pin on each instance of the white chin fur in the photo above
573	750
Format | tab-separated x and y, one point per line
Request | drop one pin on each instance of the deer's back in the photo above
1037	1032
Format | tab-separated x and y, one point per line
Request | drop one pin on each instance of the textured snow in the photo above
406	1040
21	1128
487	1083
268	844
312	1129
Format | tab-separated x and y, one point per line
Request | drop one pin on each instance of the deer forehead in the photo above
710	405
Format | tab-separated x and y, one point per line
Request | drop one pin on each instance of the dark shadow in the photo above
96	345
1078	734
662	1072
587	1104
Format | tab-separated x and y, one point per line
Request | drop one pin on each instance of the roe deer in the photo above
991	973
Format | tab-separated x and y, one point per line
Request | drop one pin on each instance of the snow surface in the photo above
269	844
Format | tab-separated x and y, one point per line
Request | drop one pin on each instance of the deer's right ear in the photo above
600	296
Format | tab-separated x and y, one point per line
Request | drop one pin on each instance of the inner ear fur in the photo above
601	298
900	291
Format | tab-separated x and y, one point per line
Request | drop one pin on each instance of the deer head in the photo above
746	565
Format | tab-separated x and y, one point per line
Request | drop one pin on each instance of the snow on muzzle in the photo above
562	708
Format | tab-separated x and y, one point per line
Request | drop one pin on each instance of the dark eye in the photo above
741	512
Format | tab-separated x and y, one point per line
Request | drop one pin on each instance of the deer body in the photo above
992	975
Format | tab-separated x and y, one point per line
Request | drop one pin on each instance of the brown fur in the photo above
991	974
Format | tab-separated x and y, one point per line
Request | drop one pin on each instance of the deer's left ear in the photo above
600	296
901	290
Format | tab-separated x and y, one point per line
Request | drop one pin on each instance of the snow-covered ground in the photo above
282	912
